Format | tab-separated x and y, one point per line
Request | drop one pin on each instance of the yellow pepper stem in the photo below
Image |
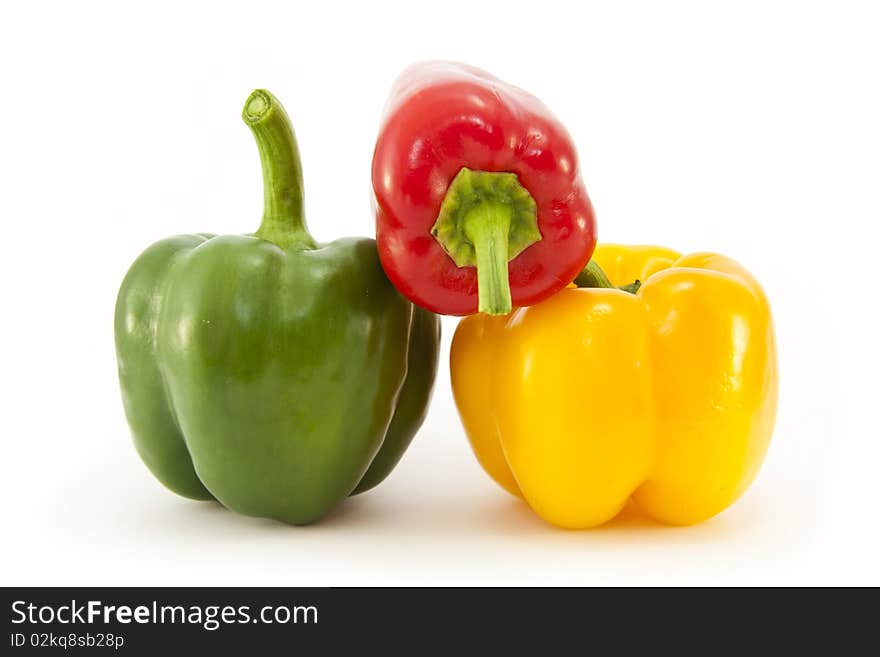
593	276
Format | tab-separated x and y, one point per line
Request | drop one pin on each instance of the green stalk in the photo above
593	276
486	219
487	227
283	221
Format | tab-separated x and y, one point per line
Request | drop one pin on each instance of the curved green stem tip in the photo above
283	221
594	276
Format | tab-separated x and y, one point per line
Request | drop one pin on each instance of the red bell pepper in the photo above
480	204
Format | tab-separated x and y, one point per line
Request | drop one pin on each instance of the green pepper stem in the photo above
283	221
487	227
593	276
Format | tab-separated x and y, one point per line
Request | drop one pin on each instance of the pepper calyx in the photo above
486	219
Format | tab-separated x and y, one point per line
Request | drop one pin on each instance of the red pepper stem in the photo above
486	219
487	227
283	221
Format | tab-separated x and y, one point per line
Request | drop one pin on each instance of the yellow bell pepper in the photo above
597	396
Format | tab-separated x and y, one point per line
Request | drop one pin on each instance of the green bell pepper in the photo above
269	372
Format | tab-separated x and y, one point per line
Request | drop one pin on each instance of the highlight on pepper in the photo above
654	382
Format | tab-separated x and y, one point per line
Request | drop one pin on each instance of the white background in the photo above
747	128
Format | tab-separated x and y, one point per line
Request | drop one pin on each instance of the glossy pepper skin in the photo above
269	372
598	396
444	212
